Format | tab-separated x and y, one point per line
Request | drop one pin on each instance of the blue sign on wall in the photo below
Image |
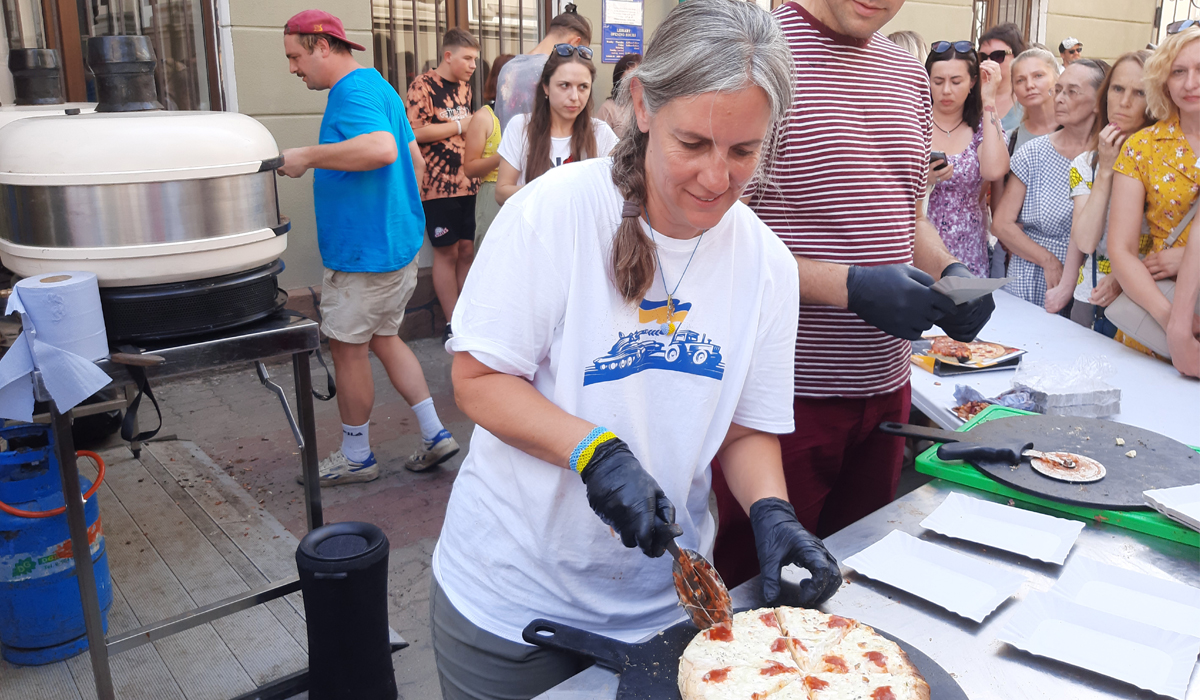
621	29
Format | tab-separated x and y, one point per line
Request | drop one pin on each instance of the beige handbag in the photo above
1136	322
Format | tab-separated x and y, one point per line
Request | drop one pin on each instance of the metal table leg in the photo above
308	426
64	452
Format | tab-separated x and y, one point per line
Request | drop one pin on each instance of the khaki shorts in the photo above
358	305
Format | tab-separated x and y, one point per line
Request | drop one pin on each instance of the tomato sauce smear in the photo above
716	675
774	668
838	621
814	683
877	658
883	693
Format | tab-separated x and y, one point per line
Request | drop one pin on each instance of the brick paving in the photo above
241	426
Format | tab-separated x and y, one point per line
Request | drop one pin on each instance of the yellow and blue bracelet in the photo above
582	454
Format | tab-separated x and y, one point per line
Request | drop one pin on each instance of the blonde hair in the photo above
911	42
1158	70
1041	54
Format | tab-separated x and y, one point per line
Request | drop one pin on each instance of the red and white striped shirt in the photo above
851	166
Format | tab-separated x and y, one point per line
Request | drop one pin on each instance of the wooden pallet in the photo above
180	534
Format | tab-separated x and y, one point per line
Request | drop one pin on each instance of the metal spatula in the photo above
701	591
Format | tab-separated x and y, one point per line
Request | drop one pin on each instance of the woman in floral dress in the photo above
968	131
1157	174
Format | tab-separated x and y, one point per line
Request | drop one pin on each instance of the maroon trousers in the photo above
839	468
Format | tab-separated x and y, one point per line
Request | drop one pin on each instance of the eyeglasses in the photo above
998	55
567	49
1176	27
1075	51
959	46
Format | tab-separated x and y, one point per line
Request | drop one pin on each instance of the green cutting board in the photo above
1147	521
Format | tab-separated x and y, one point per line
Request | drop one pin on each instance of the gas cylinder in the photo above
41	616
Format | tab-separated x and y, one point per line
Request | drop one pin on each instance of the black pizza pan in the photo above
650	670
1158	463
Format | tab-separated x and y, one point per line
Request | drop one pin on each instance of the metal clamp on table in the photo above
281	334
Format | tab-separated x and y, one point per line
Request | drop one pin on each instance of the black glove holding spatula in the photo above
781	540
628	499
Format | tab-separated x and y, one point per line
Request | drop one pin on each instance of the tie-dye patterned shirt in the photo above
432	100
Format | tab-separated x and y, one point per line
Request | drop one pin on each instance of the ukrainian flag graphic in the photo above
657	312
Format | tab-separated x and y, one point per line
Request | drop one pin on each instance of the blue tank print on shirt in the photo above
684	351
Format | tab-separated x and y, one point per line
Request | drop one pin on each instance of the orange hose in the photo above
59	511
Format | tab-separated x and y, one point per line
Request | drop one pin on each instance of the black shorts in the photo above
450	220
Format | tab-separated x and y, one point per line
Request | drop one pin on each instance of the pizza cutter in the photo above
701	591
970	452
958	446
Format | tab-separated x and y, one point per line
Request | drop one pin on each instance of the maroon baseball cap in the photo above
319	22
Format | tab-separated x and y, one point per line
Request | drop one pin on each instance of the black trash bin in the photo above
343	575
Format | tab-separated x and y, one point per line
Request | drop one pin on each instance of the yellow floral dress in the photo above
1160	157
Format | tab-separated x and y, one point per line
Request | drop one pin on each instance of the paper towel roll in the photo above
62	334
64	308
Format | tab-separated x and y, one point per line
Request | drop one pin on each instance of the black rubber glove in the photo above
968	318
896	299
782	540
628	499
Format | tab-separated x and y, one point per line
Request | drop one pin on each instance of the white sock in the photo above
427	417
356	443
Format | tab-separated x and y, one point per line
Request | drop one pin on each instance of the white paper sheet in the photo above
959	583
623	12
1144	655
1181	503
1131	594
964	289
1026	533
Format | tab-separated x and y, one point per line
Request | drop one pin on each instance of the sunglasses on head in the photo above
1176	27
959	46
998	55
567	49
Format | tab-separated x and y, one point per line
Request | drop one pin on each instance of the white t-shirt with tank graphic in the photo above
519	539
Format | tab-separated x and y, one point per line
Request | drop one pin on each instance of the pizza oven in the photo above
176	213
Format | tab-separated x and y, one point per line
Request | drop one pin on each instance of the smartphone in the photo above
935	156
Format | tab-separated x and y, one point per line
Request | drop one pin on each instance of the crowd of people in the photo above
1035	161
709	286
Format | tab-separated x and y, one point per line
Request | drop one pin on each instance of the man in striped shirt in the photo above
845	196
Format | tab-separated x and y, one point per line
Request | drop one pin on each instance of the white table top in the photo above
1154	395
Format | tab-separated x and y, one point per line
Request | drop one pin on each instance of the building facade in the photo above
228	54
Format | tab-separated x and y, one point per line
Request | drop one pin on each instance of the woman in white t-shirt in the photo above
560	129
633	297
1123	104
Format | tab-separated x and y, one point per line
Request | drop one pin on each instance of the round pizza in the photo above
796	654
982	351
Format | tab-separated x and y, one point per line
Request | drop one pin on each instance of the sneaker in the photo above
337	469
433	452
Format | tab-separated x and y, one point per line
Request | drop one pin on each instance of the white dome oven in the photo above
176	213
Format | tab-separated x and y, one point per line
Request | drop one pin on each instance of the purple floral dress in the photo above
956	209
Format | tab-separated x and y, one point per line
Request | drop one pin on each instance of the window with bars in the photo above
405	48
182	32
989	13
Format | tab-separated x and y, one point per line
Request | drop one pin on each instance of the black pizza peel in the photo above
650	670
1159	462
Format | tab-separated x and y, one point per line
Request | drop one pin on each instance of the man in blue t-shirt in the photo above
370	225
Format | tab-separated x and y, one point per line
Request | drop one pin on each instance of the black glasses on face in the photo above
998	55
1176	27
567	49
959	46
1075	51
